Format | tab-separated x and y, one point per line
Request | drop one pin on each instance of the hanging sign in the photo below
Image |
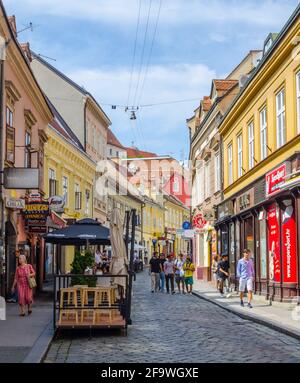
36	210
199	222
289	254
273	244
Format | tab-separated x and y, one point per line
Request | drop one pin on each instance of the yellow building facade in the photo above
261	144
70	174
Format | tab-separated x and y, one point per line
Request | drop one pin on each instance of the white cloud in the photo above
176	12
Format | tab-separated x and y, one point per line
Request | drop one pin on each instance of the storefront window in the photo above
263	248
249	234
224	240
232	248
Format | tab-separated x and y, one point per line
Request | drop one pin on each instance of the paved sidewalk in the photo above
284	317
26	339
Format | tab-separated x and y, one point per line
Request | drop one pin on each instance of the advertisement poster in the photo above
273	244
289	245
275	179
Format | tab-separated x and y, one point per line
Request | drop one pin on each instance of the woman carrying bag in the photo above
25	282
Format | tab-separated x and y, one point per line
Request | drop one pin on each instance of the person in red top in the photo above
23	272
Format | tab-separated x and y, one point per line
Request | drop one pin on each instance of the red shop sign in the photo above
289	253
273	244
274	179
199	222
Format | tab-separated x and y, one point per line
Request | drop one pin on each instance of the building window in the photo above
280	119
298	100
77	197
52	183
110	152
251	144
65	187
217	172
87	202
27	162
10	137
230	167
176	185
263	134
240	155
207	179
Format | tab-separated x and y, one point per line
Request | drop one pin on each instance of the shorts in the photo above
246	282
179	278
189	280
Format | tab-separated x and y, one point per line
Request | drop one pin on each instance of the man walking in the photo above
245	271
223	273
179	273
154	271
169	273
162	259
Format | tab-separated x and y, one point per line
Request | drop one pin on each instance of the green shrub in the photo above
79	264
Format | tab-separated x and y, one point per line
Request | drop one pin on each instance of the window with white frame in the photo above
217	172
230	165
280	119
207	179
298	99
65	189
251	144
240	154
263	134
52	182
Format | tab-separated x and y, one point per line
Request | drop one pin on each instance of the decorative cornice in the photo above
29	117
12	91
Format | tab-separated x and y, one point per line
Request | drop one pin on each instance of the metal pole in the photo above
2	221
127	222
133	224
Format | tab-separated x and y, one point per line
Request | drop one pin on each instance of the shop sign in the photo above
199	222
180	231
275	179
21	178
37	229
273	243
36	210
189	233
225	209
14	203
289	254
57	203
35	197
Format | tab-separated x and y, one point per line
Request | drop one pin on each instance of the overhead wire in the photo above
134	52
150	52
143	53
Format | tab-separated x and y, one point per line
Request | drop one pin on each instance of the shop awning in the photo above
83	232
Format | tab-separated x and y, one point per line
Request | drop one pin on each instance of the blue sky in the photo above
196	41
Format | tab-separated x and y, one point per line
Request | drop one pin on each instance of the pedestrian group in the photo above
166	271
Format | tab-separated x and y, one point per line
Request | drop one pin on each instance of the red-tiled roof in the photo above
112	140
136	153
224	85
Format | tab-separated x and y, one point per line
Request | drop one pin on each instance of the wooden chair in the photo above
88	309
105	298
80	290
71	300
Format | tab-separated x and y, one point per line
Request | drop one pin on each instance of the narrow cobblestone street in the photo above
177	328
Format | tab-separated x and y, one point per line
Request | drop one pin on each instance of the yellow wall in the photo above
66	160
279	72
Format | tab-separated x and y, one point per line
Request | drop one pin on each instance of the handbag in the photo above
31	282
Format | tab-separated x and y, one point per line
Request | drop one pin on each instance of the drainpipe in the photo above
2	206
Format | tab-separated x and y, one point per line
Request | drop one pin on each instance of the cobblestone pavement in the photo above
177	328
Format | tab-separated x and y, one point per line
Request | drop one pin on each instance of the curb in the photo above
41	345
263	322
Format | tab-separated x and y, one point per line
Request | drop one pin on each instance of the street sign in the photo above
189	233
186	225
35	197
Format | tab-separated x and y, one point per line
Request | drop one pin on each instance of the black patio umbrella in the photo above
83	232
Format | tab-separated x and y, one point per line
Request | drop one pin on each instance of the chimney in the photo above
13	24
26	50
